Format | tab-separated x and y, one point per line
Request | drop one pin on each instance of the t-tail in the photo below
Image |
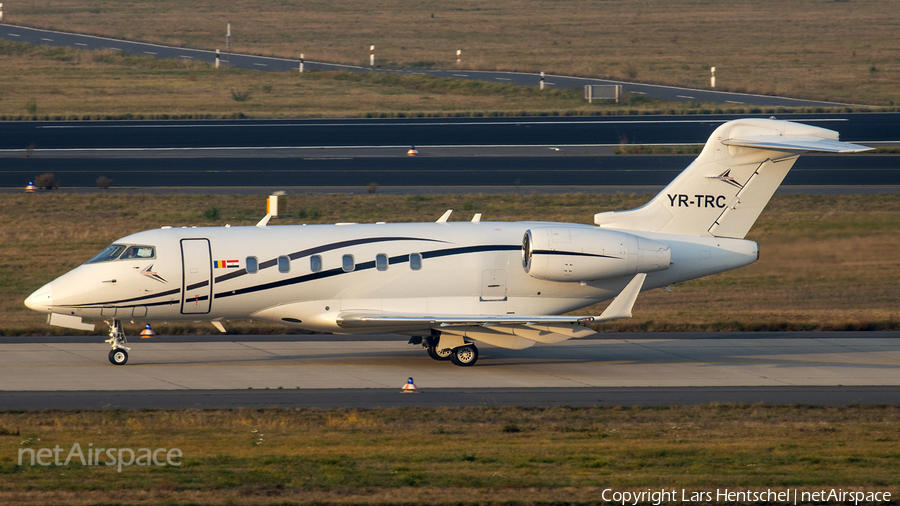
722	193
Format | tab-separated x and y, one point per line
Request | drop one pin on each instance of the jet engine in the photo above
586	254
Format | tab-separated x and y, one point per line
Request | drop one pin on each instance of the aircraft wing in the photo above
367	318
505	331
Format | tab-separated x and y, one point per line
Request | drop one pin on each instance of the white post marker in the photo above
228	42
272	205
542	81
372	56
1	13
217	58
712	78
458	54
302	57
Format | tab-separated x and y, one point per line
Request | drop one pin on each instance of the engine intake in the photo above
587	254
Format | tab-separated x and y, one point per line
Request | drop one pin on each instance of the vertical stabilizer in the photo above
727	186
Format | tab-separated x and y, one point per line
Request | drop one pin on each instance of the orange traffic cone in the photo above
29	188
147	332
409	387
412	151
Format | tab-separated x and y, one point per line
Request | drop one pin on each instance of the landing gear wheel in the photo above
464	355
439	355
118	356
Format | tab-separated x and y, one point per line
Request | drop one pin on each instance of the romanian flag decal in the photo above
226	264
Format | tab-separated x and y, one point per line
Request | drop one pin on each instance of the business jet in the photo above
447	285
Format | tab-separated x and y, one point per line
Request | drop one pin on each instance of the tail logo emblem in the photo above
727	178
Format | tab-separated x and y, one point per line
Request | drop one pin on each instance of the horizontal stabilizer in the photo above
796	143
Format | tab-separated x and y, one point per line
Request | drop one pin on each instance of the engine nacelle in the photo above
585	254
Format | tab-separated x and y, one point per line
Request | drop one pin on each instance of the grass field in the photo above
62	83
827	262
844	51
490	455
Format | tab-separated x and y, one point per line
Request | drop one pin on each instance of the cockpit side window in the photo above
138	252
110	253
123	252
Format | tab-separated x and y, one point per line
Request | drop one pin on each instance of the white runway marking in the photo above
684	96
149	52
260	64
733	102
13	34
48	40
80	44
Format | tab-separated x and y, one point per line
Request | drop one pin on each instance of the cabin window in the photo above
415	261
284	264
139	252
381	262
111	252
252	265
347	263
315	263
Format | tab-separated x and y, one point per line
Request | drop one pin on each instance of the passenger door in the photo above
196	288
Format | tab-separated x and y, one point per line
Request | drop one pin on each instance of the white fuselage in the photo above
470	268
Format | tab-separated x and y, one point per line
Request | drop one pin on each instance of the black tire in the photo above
435	354
118	356
465	355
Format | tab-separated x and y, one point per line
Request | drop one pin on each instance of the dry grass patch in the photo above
380	456
818	49
63	83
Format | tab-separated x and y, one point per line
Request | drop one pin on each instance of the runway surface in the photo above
16	137
477	153
843	172
54	38
331	371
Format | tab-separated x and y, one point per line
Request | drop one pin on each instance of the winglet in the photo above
218	325
445	216
621	306
262	223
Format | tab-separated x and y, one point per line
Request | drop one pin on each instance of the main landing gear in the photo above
119	353
464	355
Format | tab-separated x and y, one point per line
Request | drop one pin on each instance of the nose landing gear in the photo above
119	353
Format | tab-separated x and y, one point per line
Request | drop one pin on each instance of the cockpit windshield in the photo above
123	252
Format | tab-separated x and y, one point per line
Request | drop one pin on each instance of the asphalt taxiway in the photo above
334	371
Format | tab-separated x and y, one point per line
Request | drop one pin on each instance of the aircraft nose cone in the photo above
41	299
